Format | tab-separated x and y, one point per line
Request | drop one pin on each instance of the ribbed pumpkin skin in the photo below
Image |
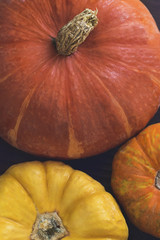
85	208
135	167
86	103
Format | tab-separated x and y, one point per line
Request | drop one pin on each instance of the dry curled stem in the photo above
76	31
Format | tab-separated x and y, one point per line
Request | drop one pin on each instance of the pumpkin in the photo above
136	179
77	78
51	201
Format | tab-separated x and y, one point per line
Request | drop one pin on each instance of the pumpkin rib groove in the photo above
142	165
9	75
46	180
128	128
146	196
14	221
12	228
75	148
13	133
147	168
89	235
12	10
96	189
57	204
140	176
68	110
79	200
143	150
29	195
88	70
154	79
129	179
43	18
67	183
142	195
16	12
150	144
25	19
65	187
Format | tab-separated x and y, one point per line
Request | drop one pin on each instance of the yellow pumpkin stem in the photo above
48	226
75	32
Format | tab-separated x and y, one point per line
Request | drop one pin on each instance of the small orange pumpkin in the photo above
85	103
136	179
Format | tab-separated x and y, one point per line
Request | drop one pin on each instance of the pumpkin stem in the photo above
75	32
157	180
48	226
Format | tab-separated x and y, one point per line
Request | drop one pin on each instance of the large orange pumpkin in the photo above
85	103
136	179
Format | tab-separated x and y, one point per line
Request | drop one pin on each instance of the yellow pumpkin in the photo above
51	201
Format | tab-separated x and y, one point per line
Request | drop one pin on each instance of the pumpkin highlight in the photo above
50	200
136	179
85	103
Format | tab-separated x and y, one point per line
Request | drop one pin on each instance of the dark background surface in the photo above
98	167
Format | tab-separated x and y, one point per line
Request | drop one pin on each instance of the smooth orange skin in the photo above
86	103
135	167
